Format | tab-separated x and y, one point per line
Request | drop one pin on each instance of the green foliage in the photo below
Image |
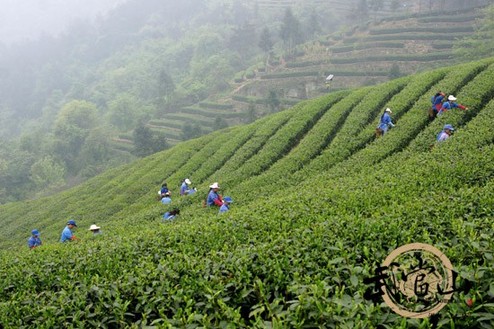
449	29
124	111
273	101
318	73
220	123
394	72
458	18
481	43
251	113
72	127
250	74
147	142
290	75
265	41
402	37
244	40
290	31
360	46
402	57
46	172
319	202
191	131
215	106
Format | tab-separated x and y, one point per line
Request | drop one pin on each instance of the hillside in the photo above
318	202
381	47
152	73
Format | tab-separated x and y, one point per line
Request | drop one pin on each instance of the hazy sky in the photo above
27	19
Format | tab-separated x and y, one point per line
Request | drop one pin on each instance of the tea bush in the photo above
318	203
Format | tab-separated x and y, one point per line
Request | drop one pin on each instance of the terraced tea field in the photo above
319	202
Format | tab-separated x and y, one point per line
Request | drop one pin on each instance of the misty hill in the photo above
366	54
318	202
144	59
386	46
153	73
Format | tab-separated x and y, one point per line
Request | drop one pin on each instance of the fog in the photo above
24	20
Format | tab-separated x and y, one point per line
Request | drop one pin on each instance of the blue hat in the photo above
34	232
228	199
448	126
72	222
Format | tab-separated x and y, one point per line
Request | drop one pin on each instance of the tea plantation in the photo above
319	202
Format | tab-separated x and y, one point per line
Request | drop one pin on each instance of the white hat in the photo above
215	185
451	98
388	110
94	227
187	181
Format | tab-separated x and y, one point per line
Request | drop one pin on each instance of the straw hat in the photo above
94	227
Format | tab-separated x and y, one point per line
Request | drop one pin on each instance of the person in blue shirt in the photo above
67	234
169	215
166	199
34	241
95	229
164	189
445	133
437	103
214	199
226	204
385	122
185	187
451	104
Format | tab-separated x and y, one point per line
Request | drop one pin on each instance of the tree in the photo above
290	31
96	149
273	101
243	40
73	125
47	172
14	174
394	72
147	142
211	72
220	123
251	113
312	25
191	131
265	42
166	87
123	111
